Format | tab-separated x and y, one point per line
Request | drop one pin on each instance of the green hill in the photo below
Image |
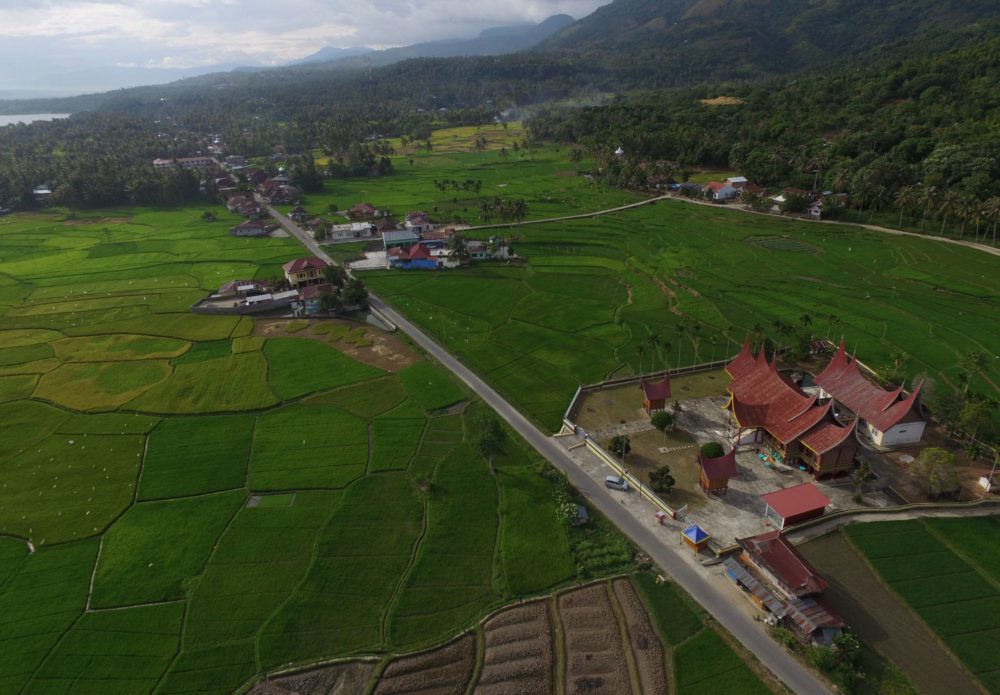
738	39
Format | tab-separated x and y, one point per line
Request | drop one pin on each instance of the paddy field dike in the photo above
189	501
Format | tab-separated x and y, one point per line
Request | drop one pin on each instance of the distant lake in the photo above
31	117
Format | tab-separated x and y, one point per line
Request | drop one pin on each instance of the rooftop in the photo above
795	500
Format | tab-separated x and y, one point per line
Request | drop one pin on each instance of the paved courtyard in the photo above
739	512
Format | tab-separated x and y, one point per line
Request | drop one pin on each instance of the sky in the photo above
79	45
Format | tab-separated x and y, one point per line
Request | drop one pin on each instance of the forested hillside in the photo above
920	135
713	40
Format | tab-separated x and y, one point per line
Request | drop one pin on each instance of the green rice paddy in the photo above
184	505
948	572
594	292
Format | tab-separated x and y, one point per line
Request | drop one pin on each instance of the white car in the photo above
616	483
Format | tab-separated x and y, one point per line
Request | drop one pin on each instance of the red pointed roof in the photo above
742	363
883	408
656	391
764	398
720	467
827	435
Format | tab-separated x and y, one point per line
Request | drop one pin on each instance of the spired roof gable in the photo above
763	398
656	391
883	408
720	467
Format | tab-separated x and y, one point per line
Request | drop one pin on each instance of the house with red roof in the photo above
797	428
305	271
777	579
891	417
655	394
793	505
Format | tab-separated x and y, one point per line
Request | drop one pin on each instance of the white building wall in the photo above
900	435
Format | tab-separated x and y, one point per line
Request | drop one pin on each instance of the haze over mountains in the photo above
494	41
627	44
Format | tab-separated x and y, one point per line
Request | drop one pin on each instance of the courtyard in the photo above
701	417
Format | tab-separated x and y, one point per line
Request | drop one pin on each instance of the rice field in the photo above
186	503
947	571
593	294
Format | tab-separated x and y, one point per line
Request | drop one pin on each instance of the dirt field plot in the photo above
442	671
518	656
645	645
339	679
882	620
363	343
595	657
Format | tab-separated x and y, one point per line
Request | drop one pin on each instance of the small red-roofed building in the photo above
716	472
655	394
794	505
305	271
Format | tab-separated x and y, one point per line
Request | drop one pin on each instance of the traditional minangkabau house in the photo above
781	582
889	416
655	394
716	472
791	426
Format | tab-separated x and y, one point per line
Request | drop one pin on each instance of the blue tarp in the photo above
695	534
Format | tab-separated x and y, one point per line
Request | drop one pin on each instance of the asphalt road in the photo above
750	633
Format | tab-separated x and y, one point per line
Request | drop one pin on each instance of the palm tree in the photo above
457	249
905	197
642	351
805	320
966	208
654	340
977	215
927	199
949	204
991	210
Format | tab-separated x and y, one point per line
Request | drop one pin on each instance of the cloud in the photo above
207	31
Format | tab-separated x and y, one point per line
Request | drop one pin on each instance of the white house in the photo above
890	417
737	182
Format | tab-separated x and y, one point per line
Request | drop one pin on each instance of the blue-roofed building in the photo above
696	537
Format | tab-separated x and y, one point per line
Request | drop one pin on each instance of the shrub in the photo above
712	450
661	481
662	420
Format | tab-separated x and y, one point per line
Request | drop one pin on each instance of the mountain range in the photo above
627	44
494	41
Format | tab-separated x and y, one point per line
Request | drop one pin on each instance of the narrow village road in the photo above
751	634
738	208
